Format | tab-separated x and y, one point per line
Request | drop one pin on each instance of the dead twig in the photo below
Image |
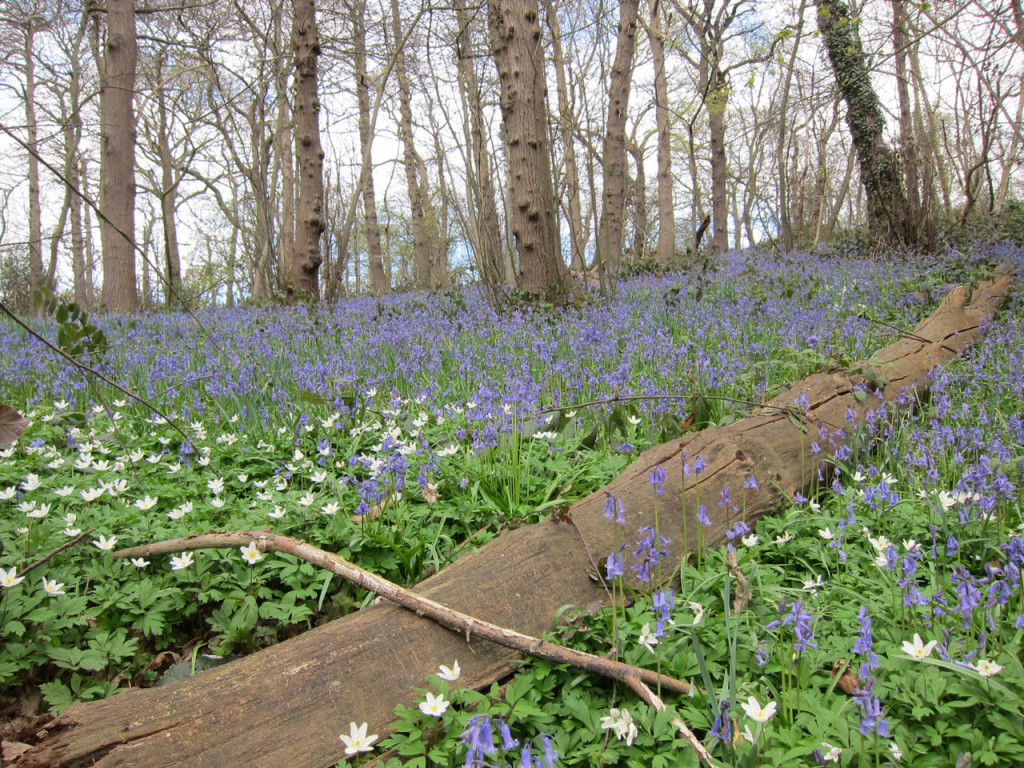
47	558
652	699
742	585
421	606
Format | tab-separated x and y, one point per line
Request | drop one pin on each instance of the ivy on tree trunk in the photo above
889	221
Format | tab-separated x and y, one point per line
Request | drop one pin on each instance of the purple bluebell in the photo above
721	728
657	479
479	737
614	567
872	720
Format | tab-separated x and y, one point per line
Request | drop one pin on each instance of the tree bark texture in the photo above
35	226
309	225
284	158
484	222
422	253
374	253
880	168
168	199
567	127
611	238
287	704
519	56
717	100
919	217
666	207
117	158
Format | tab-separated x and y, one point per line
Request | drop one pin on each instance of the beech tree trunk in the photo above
284	158
570	192
485	226
117	158
287	704
306	257
717	100
422	253
666	207
783	142
533	210
374	254
35	226
168	198
612	234
919	224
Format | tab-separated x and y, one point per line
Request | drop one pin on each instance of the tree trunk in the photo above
87	233
378	277
783	141
305	265
567	130
117	158
919	225
485	224
1010	159
880	169
268	709
168	202
436	219
83	294
35	226
717	99
71	126
519	57
636	199
422	256
666	207
612	232
283	141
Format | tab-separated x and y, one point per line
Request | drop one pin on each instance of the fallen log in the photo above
286	705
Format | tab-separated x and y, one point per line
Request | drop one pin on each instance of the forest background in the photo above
657	131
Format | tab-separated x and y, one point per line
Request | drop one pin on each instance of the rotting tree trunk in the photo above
287	704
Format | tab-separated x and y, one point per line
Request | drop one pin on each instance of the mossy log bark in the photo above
286	705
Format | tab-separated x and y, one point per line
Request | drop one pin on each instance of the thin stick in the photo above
651	698
58	550
422	606
83	367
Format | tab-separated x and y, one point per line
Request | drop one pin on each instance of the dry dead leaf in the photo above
12	424
847	682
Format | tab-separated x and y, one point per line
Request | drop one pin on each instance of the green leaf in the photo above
57	695
152	624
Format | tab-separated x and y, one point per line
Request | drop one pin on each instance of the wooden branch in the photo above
47	558
652	699
421	606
